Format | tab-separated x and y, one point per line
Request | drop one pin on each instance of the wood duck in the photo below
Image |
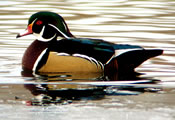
47	54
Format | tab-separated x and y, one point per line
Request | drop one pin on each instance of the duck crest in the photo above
32	53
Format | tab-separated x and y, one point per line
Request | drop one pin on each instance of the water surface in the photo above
148	23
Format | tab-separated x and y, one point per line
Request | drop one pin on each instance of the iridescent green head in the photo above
47	26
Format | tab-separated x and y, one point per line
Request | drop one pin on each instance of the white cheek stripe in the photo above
40	38
42	31
38	59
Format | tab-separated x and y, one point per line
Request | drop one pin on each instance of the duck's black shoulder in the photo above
96	48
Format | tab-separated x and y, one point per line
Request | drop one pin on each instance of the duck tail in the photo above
128	61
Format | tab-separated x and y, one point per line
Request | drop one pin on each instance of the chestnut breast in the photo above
32	53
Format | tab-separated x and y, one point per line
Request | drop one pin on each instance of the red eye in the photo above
39	22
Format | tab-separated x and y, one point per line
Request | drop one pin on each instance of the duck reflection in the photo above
64	88
62	94
87	76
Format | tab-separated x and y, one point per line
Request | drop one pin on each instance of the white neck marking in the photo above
64	35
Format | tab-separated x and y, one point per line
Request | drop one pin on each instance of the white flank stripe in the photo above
38	59
110	59
82	56
63	54
91	59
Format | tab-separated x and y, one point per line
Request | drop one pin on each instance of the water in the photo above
150	24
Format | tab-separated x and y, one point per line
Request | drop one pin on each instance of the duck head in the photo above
46	26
